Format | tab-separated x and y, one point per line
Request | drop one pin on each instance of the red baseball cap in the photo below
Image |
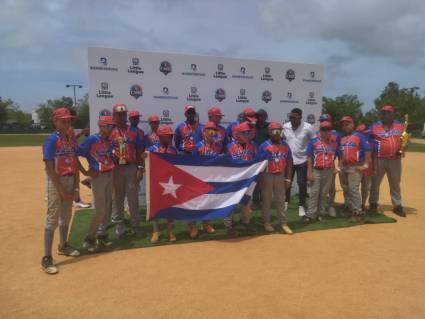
62	113
347	118
326	124
153	118
249	113
387	108
243	127
210	124
189	107
164	129
215	111
275	126
105	120
117	108
133	114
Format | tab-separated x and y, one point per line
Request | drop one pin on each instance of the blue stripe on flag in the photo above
191	215
221	188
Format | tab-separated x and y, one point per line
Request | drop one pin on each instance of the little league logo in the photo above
220	94
165	67
266	96
290	75
104	86
166	113
267	70
136	91
135	61
220	67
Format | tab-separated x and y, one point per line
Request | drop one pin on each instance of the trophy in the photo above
121	151
404	137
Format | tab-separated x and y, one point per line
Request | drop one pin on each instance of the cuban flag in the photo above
197	188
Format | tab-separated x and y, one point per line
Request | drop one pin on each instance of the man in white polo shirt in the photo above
298	134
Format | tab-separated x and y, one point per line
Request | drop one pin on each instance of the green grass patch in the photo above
416	147
10	140
82	219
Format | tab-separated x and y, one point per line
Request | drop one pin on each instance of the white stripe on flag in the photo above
213	201
223	173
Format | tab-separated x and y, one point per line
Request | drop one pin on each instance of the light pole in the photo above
74	86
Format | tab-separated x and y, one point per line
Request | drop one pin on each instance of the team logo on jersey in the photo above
104	91
290	75
136	91
266	96
266	75
193	95
134	67
242	98
220	74
311	99
103	65
311	119
165	67
220	94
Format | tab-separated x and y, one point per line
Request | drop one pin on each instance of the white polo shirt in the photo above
298	140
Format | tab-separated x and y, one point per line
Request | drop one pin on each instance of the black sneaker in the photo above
90	244
47	265
399	211
103	241
68	250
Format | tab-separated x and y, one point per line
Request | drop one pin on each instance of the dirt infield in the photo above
370	271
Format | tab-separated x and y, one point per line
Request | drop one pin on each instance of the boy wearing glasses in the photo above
321	154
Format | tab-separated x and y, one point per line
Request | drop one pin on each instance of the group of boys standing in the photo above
115	157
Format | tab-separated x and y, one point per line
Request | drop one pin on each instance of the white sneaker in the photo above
301	211
81	204
332	211
286	206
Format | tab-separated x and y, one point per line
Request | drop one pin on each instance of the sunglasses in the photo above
276	131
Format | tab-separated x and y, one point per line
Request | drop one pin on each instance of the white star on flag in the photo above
170	187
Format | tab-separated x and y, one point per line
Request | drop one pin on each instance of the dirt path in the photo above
370	271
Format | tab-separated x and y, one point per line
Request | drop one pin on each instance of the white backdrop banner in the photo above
163	83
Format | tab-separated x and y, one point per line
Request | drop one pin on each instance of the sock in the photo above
48	241
63	235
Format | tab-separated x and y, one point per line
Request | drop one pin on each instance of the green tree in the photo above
343	105
5	108
45	110
82	120
10	113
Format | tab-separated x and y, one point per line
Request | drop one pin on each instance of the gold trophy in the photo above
404	137
121	151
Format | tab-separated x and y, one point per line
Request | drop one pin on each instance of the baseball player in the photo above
165	134
354	154
152	138
247	115
134	118
215	116
97	149
184	136
321	154
128	172
60	159
241	150
367	173
275	179
385	135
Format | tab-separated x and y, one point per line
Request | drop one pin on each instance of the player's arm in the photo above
288	169
140	160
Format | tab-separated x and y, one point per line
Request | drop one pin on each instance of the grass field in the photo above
82	219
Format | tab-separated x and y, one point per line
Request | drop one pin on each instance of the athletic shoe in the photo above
268	227
287	230
172	238
193	231
208	228
399	211
155	237
90	245
68	250
286	206
81	204
47	265
103	241
332	211
301	211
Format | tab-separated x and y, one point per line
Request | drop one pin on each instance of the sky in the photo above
363	44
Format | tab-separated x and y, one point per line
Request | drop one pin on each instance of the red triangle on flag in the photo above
168	185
